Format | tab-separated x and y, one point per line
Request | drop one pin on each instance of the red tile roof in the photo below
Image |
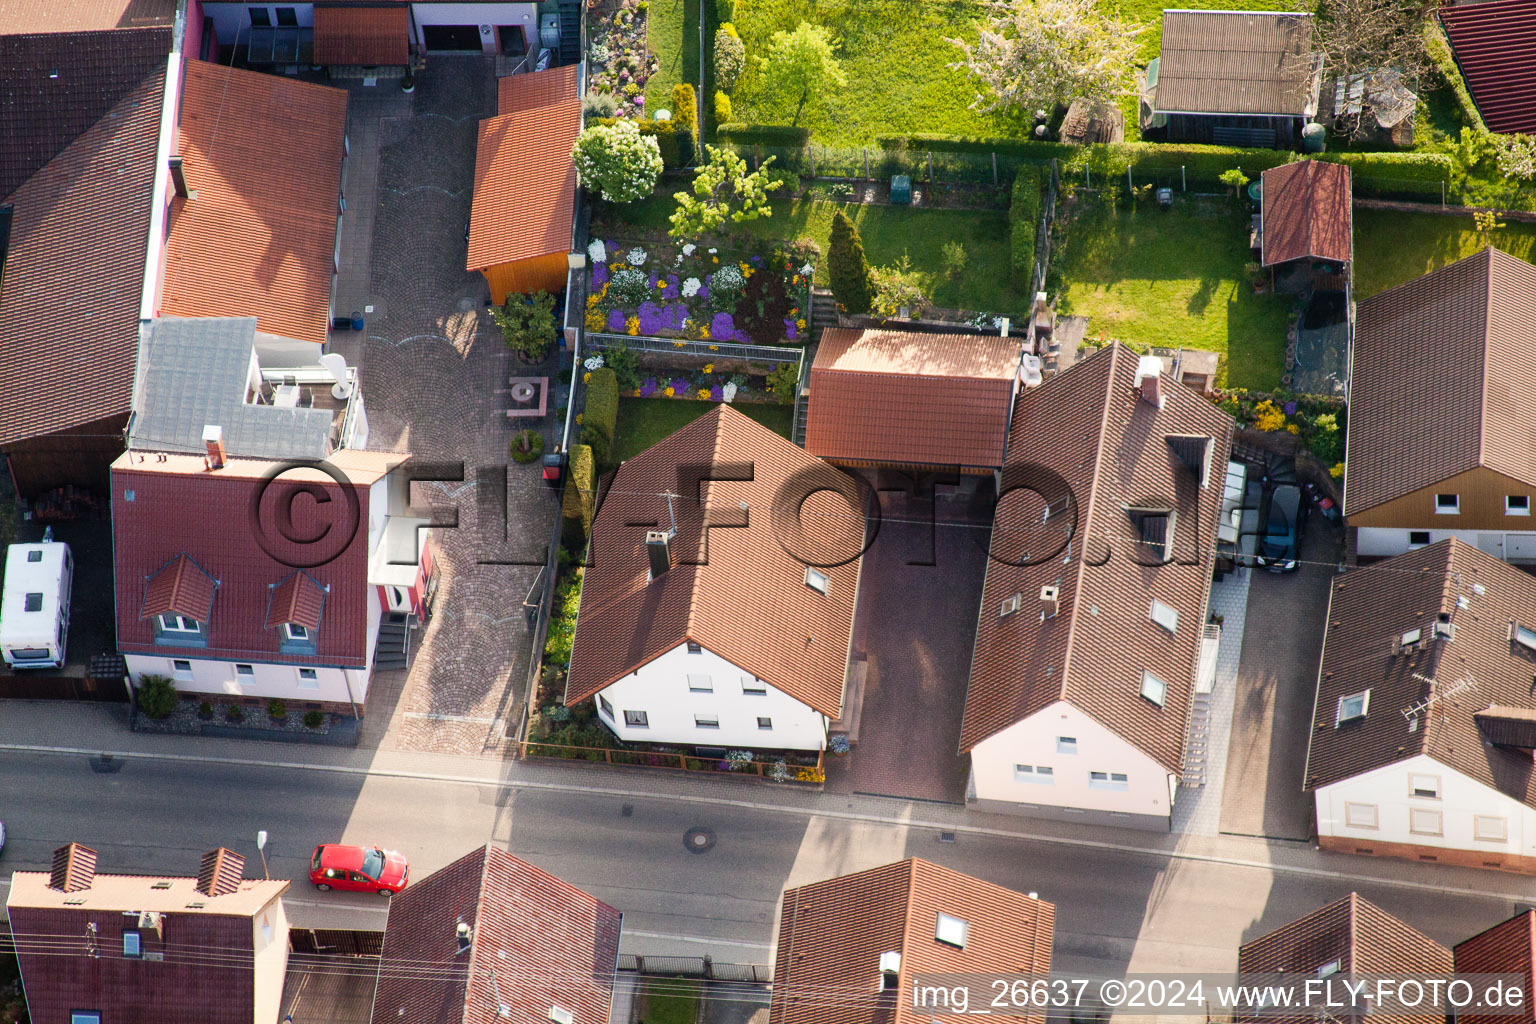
735	588
179	586
179	507
299	600
363	35
1495	47
1370	610
1088	435
525	182
263	153
908	397
1306	213
55	86
1506	948
832	935
74	274
536	942
1438	366
18	16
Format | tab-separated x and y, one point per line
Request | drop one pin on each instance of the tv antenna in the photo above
1413	711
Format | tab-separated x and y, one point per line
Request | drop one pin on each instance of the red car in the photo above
359	869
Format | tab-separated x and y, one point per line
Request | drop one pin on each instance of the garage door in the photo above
1520	547
452	37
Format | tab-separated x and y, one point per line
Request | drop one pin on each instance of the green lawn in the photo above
672	34
1392	247
1151	278
888	232
668	1001
644	421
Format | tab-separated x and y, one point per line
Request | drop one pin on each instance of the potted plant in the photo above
527	324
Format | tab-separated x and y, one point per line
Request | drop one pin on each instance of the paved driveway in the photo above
432	363
916	624
1276	684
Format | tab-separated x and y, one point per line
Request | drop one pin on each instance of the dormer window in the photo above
294	631
173	623
178	601
1155	527
296	607
952	931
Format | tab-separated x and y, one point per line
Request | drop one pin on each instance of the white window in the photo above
605	707
816	580
754	687
1352	707
1424	822
1010	605
84	1017
764	723
700	683
952	931
1525	637
1330	968
1066	744
637	719
245	670
1108	780
309	679
1165	615
1517	504
694	648
707	721
1042	774
294	631
1490	828
173	623
181	669
1360	815
1153	688
1447	504
1424	785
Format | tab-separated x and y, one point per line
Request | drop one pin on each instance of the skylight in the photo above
1153	688
1165	615
1352	707
952	931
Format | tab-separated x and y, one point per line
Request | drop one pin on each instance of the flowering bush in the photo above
597	252
691	287
636	257
617	161
629	285
593	362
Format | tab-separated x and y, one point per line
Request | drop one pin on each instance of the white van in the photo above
34	607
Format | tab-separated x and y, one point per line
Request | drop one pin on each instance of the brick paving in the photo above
432	362
1276	684
917	625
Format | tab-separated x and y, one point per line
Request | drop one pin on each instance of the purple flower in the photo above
722	327
789	328
639	101
757	261
715	394
674	315
772	367
651	318
616	320
648	387
681	385
1290	408
703	292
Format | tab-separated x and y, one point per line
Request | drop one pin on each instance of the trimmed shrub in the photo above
602	410
156	696
576	505
277	710
204	710
722	107
314	719
234	713
601	447
685	112
526	446
1024	223
741	134
725	10
780	179
668	142
730	56
853	284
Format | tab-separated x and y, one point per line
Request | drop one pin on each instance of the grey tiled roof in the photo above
194	375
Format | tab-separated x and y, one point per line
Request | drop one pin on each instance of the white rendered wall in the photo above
281	681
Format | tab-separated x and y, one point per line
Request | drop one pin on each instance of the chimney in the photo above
890	970
74	868
465	935
213	439
1050	601
1149	382
220	872
179	180
658	547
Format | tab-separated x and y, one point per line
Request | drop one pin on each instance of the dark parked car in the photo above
1281	539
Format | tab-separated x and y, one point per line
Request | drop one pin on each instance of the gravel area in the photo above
186	721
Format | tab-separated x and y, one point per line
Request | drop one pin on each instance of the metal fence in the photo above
706	349
779	772
1043	232
696	967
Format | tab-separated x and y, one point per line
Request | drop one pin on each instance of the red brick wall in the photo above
1431	854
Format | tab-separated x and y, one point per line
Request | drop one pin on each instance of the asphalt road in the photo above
1116	910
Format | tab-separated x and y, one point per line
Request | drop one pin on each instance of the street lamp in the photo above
261	848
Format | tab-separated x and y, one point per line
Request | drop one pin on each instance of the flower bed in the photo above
619	64
698	294
1316	420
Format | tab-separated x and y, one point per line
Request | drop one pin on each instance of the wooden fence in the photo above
30	687
813	774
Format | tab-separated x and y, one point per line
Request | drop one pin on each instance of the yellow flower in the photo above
704	333
596	321
591	300
637	393
1293	428
669	392
677	344
717	259
578	419
800	324
744	267
661	286
1336	470
747	272
714	348
586	378
710	367
703	392
632	325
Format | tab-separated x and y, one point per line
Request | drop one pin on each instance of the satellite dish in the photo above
336	366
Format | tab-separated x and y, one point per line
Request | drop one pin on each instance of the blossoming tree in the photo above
723	192
618	162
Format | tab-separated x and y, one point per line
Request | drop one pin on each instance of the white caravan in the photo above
34	607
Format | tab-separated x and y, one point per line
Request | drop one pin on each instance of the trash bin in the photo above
357	320
901	190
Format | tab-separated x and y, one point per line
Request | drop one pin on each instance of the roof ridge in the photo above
908	909
1482	367
690	621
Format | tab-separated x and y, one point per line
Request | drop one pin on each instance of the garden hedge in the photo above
741	134
602	411
577	503
1439	49
685	111
1024	223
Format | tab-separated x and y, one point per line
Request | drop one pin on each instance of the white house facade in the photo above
1509	545
1062	763
694	697
1420	807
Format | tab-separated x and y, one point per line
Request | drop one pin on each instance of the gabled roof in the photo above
55	86
908	397
195	373
1307	213
1235	62
263	154
733	588
1370	611
832	935
178	506
1364	938
1440	370
179	587
84	15
1506	948
536	942
73	278
298	600
1113	466
363	35
1495	47
525	182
